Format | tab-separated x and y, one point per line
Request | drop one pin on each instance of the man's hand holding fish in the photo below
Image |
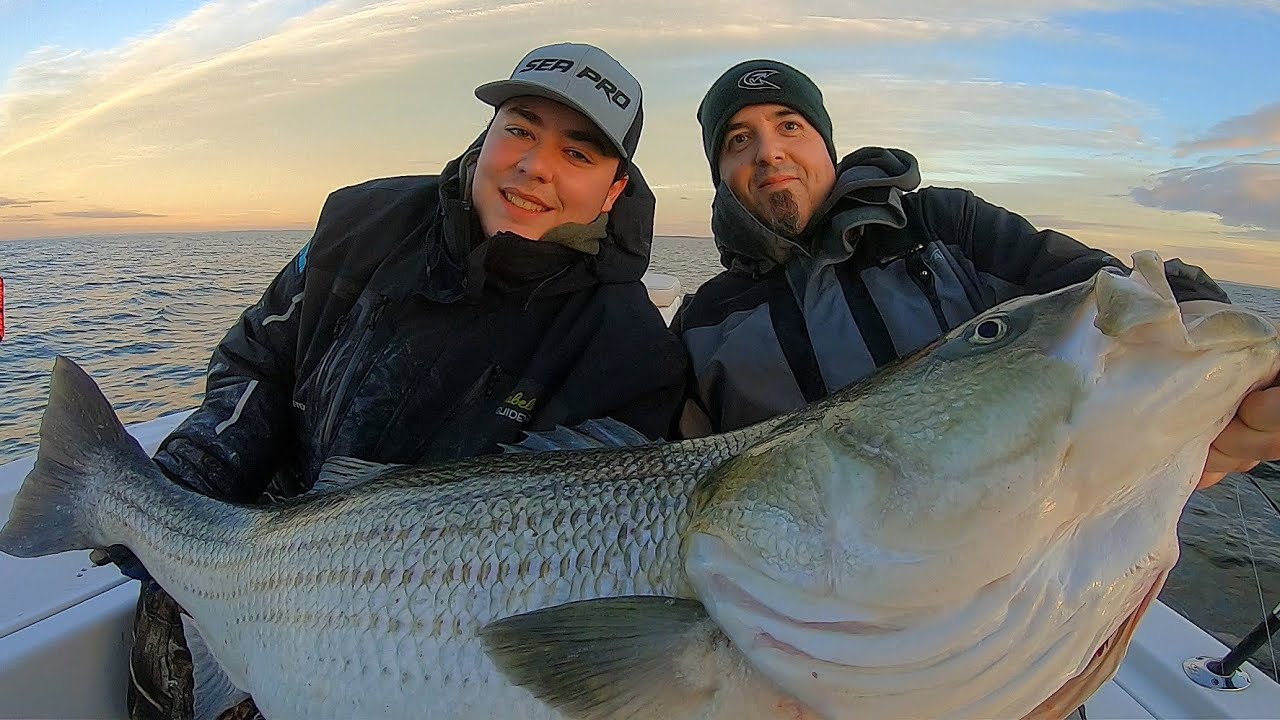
1252	436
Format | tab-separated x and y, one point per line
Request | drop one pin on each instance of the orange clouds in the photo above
1257	129
1244	195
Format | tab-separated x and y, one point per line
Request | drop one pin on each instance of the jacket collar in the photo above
868	190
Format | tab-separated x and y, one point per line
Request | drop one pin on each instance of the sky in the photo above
1127	124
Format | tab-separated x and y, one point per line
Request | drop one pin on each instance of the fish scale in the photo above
290	603
973	532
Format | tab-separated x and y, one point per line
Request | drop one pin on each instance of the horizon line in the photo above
149	233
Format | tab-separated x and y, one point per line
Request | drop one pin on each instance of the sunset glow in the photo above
1137	126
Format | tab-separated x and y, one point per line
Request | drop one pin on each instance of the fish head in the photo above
976	530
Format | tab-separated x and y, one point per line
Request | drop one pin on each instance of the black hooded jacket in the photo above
401	334
882	270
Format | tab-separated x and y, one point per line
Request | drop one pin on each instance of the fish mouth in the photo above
1139	308
1142	309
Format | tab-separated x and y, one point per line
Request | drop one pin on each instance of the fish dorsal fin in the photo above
623	657
588	435
213	690
343	473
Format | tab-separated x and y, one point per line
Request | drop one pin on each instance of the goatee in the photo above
782	214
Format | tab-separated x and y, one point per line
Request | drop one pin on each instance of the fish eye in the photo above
993	329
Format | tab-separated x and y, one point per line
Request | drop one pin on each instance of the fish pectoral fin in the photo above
343	473
623	657
588	435
213	690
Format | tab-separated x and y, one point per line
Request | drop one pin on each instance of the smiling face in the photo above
542	165
777	165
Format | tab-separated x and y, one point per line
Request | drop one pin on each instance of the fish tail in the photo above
83	446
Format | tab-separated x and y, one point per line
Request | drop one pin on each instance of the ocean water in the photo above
142	313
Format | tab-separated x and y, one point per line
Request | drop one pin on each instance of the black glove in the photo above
125	560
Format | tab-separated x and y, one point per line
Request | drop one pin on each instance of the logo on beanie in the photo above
758	80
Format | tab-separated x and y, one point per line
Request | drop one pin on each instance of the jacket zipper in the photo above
321	373
923	278
479	390
331	416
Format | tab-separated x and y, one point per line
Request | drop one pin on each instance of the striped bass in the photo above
974	531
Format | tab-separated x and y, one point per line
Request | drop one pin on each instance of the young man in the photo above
835	269
433	317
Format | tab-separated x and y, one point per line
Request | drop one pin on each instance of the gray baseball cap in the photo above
585	78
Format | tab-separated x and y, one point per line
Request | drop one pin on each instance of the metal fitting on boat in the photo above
1224	673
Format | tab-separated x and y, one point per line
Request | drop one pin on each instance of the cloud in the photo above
11	203
1244	195
1044	131
1063	222
1258	129
106	214
229	52
257	108
925	29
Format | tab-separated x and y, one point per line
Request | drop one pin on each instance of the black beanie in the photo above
759	82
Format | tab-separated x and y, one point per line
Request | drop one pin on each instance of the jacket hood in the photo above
615	248
868	189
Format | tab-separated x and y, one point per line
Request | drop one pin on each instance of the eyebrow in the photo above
777	114
527	114
591	137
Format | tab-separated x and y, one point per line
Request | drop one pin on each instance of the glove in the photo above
125	560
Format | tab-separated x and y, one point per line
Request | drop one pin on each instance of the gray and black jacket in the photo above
401	334
882	270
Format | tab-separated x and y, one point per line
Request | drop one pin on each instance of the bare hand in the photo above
1252	436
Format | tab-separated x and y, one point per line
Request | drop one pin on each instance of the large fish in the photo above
973	532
